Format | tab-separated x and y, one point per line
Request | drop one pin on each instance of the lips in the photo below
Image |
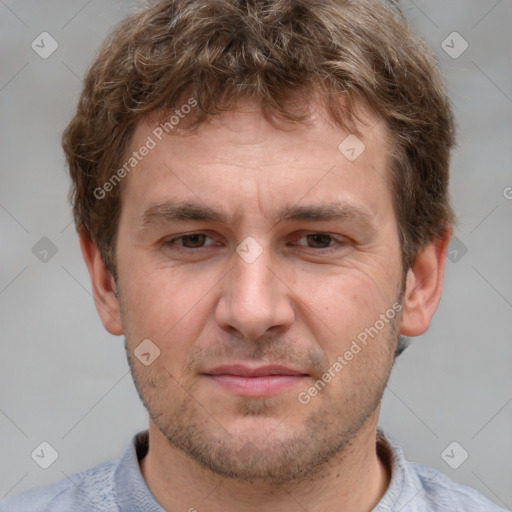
246	371
262	381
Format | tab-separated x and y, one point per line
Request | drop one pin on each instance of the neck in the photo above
356	479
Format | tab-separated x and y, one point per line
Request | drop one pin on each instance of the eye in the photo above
191	241
318	240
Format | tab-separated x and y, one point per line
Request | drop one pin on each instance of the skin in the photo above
300	304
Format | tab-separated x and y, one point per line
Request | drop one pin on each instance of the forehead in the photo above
247	127
239	155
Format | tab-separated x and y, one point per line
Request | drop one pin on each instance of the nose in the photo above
254	297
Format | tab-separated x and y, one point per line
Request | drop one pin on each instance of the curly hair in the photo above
279	54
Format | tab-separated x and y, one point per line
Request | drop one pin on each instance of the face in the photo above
265	267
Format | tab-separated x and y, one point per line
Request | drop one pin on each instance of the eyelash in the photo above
172	243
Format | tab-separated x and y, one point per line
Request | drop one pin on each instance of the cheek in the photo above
345	304
167	307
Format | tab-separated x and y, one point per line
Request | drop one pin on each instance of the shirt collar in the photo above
131	490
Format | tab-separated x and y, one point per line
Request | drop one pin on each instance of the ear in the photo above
103	285
424	285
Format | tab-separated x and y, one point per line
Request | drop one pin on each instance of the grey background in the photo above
65	380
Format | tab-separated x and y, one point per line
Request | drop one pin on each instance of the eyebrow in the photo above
328	211
184	211
170	211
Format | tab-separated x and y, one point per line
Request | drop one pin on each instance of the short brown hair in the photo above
277	53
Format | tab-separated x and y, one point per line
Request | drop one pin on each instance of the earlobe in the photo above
103	285
424	286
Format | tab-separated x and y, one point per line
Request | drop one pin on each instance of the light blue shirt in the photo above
118	486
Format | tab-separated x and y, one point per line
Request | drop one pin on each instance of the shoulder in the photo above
443	494
88	490
415	487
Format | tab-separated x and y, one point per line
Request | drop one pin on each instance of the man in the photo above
260	192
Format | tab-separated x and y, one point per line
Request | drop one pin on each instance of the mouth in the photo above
262	381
